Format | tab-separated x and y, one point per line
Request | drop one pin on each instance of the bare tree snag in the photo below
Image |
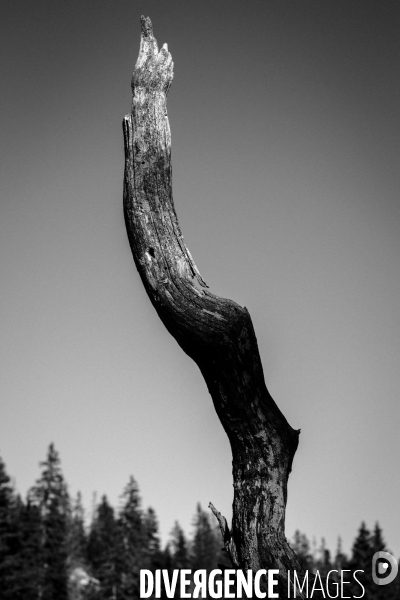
215	332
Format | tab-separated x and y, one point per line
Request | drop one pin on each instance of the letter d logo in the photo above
384	568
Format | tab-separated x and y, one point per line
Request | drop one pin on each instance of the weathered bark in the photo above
215	332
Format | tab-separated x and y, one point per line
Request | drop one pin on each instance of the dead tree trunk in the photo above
215	332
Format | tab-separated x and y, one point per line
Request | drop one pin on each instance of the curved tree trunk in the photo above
215	332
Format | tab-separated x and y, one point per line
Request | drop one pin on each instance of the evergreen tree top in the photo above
6	489
377	541
50	488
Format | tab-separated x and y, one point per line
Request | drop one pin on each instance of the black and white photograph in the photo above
200	299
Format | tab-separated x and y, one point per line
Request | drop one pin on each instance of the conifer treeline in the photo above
47	552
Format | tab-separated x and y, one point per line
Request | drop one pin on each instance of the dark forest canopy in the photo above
48	549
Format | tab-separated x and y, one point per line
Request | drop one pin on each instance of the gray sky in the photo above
285	146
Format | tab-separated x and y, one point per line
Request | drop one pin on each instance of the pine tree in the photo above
377	540
77	541
361	559
323	562
301	546
80	583
103	549
179	548
6	494
132	539
30	575
51	496
10	545
205	551
152	549
176	553
341	562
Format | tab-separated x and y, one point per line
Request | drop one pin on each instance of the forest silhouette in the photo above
50	550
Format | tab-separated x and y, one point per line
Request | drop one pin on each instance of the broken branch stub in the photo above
215	332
